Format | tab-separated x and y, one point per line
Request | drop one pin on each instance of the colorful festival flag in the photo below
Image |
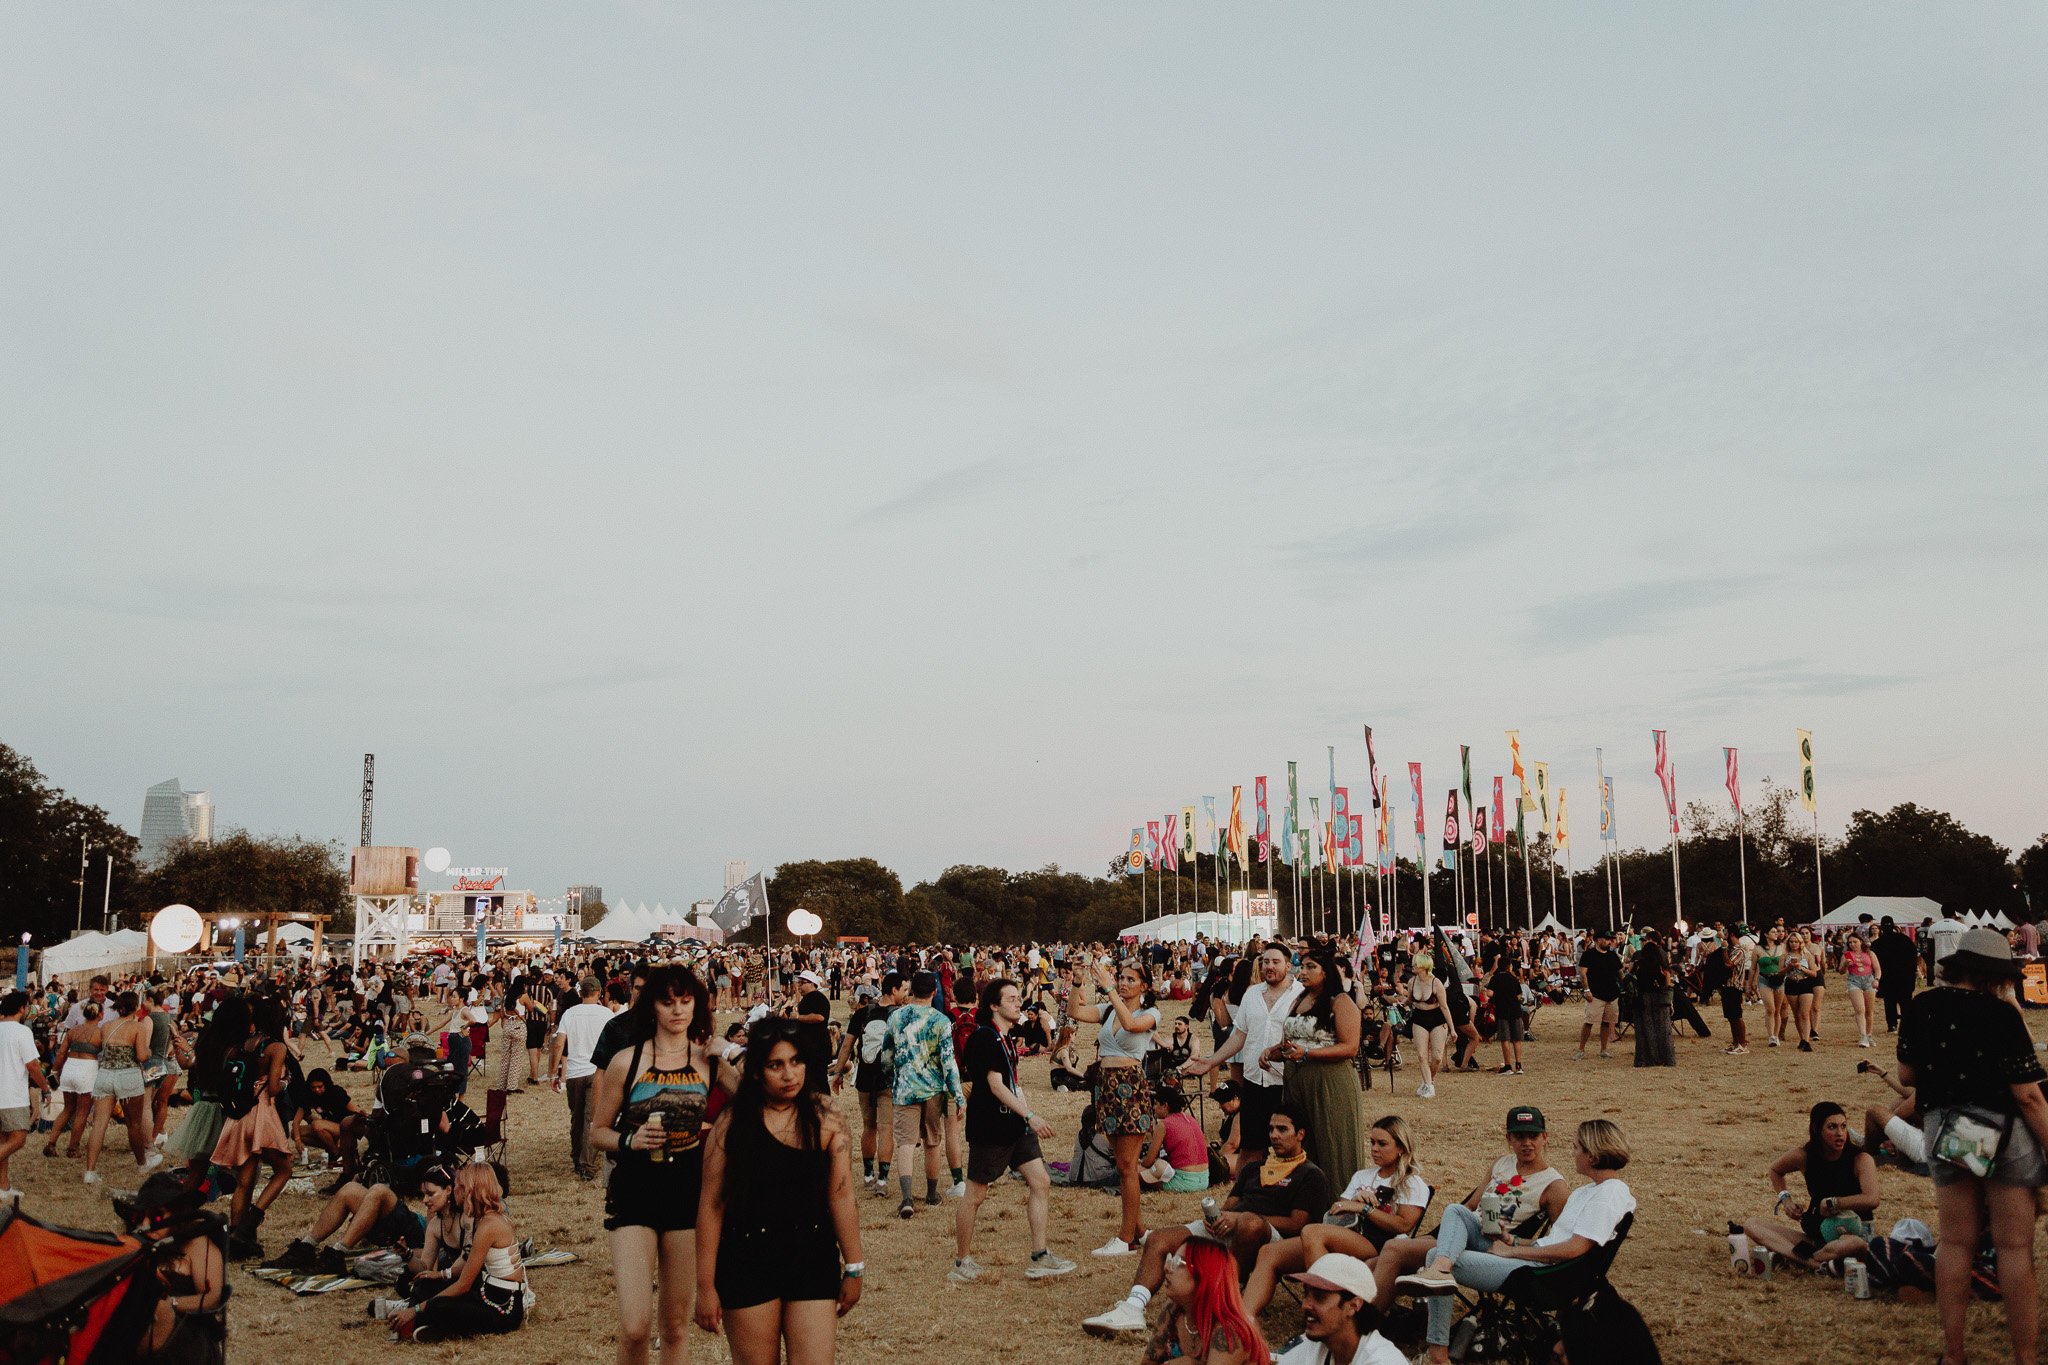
1340	816
1562	834
1519	773
1606	809
1415	788
1214	837
1331	851
1667	774
1807	791
1236	836
1543	791
1500	815
1293	814
1734	781
1135	860
1479	832
1386	847
1451	835
1465	763
1372	768
1263	835
1354	847
1169	843
1187	834
1152	842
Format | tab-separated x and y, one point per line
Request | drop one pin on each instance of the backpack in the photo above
241	1071
877	1058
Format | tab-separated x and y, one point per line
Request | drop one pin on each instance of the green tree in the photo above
244	872
1912	851
41	830
851	895
2032	870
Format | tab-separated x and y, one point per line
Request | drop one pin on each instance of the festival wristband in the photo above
853	1270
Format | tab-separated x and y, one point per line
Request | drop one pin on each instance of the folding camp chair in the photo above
1518	1323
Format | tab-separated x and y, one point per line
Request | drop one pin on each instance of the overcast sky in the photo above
955	433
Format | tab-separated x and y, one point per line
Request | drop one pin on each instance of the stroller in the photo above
84	1298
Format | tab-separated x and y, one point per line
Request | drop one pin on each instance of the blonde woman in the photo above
486	1293
1800	985
1429	1020
1382	1202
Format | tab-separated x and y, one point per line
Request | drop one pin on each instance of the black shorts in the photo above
661	1195
988	1162
1256	1104
1731	1004
1512	1029
1801	987
536	1033
762	1265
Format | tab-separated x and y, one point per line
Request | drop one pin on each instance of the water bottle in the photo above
1489	1213
1856	1278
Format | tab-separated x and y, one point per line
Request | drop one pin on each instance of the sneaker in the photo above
959	1191
1579	1056
92	1178
1427	1092
1124	1317
1864	1041
331	1261
1428	1280
1606	1056
1047	1265
1115	1246
966	1270
907	1209
867	1184
1518	1071
381	1309
156	1159
1774	1040
1736	1051
161	1139
1503	1071
1805	1046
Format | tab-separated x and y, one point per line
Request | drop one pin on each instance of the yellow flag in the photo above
1543	790
1187	834
1236	835
1515	755
1806	789
1563	836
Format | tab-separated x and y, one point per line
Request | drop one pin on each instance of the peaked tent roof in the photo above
1904	910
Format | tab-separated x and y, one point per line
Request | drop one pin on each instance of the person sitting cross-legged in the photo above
1272	1199
1467	1256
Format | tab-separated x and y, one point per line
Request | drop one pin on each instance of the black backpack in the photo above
241	1071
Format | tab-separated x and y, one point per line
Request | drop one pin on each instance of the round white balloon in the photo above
175	928
437	860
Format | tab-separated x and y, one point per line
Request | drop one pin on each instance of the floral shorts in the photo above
1123	1102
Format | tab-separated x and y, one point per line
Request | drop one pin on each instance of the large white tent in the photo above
1185	928
94	952
1906	911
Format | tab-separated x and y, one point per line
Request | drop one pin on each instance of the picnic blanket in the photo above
383	1268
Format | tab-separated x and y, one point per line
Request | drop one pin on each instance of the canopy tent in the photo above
1987	919
1906	911
93	952
1185	928
1550	924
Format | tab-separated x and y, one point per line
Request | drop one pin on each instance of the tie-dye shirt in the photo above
922	1039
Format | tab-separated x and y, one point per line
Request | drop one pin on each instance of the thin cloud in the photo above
1637	609
949	489
1367	546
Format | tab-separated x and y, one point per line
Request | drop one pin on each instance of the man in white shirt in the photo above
20	1067
1255	1026
1334	1291
575	1039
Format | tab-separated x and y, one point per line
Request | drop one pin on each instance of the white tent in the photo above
96	953
1906	911
1185	928
1550	924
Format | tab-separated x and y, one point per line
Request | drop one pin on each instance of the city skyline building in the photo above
588	894
169	814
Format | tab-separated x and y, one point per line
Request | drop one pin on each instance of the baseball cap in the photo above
1526	1118
1340	1274
421	1042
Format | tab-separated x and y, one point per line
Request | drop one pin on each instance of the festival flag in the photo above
1236	836
1135	862
1372	768
1386	847
1214	839
1354	847
1169	844
1415	787
1521	830
1152	843
1187	834
1263	835
1734	781
1465	763
1293	814
1333	776
1500	816
1606	809
1807	792
1543	791
1563	835
1340	816
1479	832
1520	774
1451	836
1301	837
1667	774
1330	847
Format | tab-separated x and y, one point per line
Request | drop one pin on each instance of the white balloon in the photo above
437	860
175	928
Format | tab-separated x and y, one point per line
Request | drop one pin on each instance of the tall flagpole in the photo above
1528	881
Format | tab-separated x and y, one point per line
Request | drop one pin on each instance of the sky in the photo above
954	434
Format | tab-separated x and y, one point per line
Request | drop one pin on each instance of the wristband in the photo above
853	1270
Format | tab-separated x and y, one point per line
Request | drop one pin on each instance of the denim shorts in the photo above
2019	1159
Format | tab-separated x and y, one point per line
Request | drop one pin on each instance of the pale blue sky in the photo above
953	433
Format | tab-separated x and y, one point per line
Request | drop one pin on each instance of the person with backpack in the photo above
867	1053
252	1078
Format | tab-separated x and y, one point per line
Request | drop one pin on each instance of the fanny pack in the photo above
1970	1138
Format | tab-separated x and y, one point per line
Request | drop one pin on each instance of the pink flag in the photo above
1734	783
1667	773
1415	783
1169	844
1500	814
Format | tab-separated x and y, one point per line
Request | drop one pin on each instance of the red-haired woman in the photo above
1204	1319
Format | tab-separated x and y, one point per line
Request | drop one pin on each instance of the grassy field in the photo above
1702	1135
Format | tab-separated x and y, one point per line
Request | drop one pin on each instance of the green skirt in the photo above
1327	1094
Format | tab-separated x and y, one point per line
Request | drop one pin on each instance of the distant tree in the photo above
593	914
1910	850
244	872
2032	870
851	895
40	834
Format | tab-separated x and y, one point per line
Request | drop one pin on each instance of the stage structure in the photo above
383	879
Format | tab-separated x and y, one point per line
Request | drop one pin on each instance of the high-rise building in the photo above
169	814
589	895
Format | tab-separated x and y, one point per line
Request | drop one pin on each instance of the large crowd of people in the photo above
728	1159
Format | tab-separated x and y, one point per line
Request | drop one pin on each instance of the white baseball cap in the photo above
1340	1274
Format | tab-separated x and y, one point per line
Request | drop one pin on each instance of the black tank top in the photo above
786	1186
1832	1179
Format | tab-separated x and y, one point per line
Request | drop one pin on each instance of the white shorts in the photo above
77	1076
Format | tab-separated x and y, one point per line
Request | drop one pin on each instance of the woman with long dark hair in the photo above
1841	1190
778	1236
649	1111
1318	1048
257	1133
118	1080
194	1139
1654	985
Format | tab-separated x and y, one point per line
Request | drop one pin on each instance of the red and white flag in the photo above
1734	783
1667	774
1169	844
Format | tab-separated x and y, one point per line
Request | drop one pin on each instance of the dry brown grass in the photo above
1702	1136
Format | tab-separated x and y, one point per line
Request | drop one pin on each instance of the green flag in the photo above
1465	762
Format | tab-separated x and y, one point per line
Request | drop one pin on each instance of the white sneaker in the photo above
161	1139
156	1159
966	1270
92	1177
1125	1317
1115	1246
1774	1040
1046	1266
1428	1280
1579	1056
1864	1041
959	1191
1427	1092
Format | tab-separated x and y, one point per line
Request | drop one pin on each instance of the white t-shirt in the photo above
1519	1204
1261	1028
1593	1211
1373	1349
579	1029
1366	1184
17	1051
1945	934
